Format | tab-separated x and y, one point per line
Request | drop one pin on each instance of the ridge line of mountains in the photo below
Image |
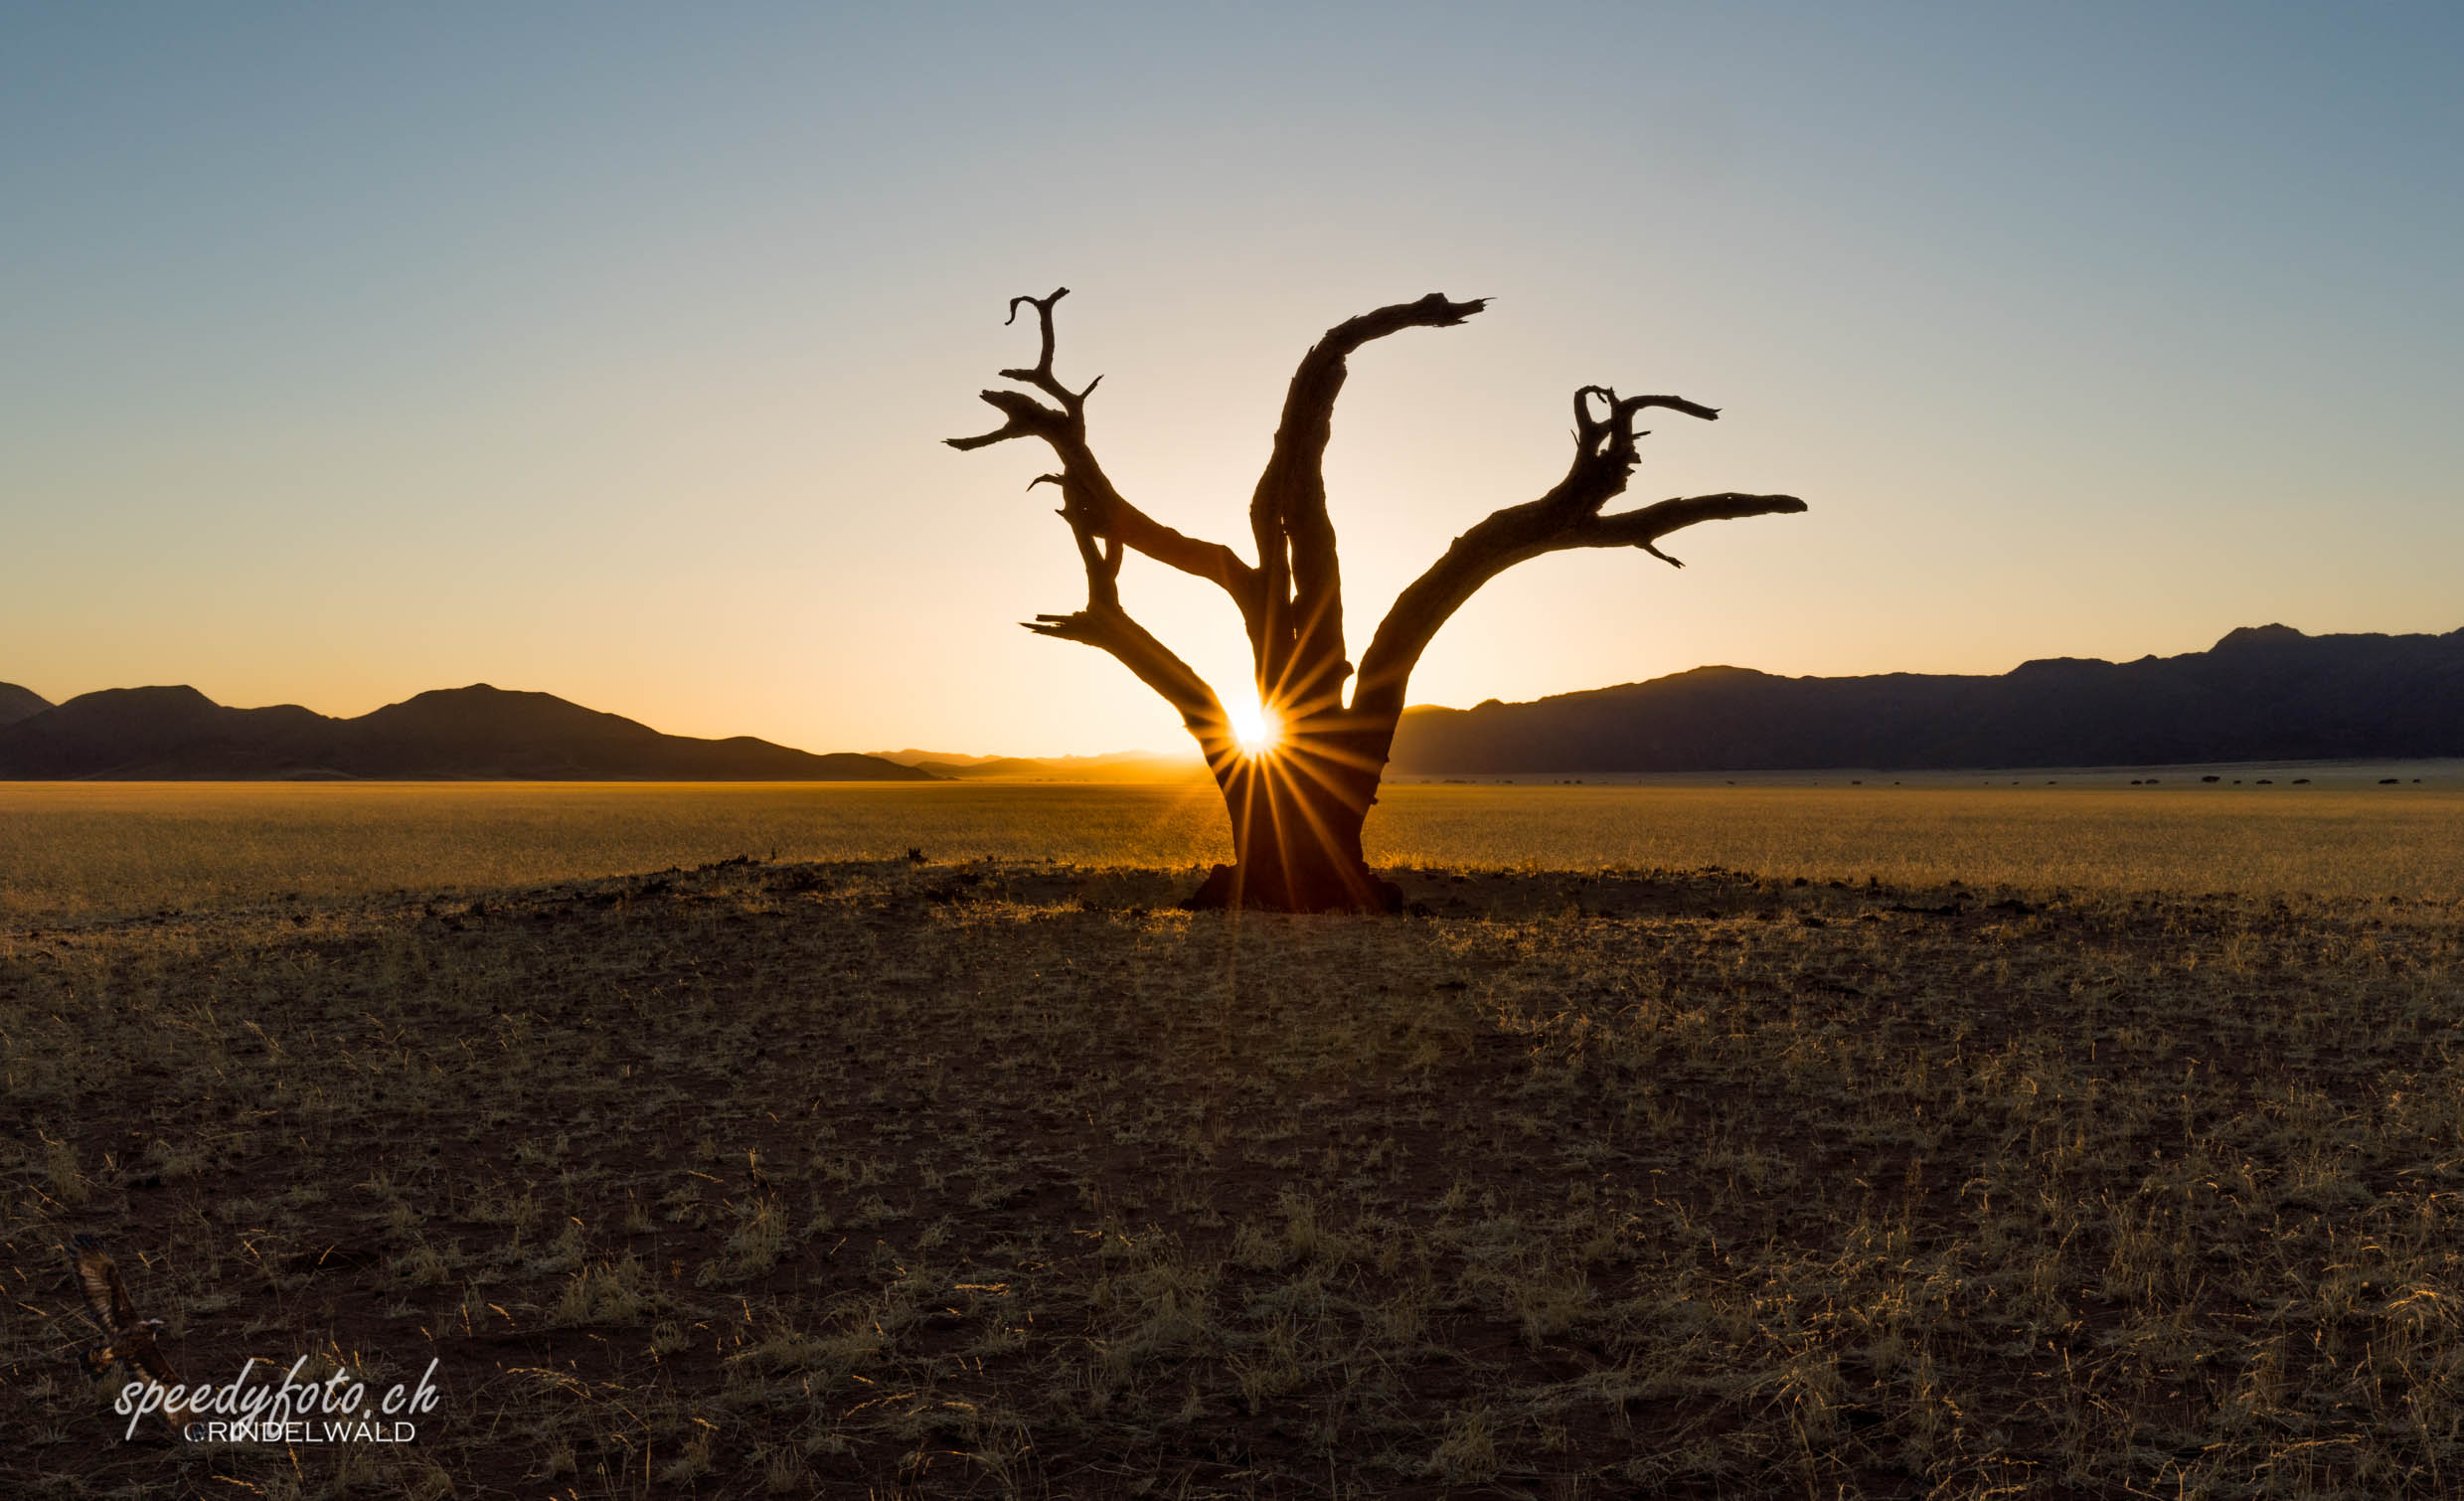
2261	693
479	732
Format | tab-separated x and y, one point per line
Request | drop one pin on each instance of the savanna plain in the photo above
868	1141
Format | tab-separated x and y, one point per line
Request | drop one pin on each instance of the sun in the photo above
1256	729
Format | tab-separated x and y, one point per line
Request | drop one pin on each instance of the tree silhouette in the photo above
1298	797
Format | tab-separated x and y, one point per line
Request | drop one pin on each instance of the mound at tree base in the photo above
1359	890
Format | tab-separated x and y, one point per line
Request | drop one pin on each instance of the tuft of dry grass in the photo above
1000	1178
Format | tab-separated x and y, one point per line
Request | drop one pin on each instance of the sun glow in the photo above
1256	729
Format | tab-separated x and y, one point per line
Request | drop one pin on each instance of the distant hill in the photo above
989	767
912	756
2263	693
1114	766
474	733
20	703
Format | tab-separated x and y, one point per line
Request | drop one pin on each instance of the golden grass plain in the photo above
2020	1176
99	848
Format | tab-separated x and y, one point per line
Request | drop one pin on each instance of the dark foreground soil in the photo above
1014	1180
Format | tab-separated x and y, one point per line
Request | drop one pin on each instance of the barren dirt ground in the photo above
1010	1179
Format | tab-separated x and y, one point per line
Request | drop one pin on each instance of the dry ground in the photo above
1007	1178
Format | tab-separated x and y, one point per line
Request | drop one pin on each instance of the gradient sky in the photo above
352	351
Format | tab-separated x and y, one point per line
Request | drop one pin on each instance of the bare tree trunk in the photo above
1296	815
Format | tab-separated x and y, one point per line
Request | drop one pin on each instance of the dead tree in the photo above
1297	800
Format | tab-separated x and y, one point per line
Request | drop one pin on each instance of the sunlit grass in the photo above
99	848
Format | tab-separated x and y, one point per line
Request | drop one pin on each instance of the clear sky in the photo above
352	351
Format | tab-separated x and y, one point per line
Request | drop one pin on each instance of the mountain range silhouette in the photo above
2263	693
479	731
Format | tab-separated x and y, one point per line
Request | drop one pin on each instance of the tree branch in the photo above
1299	641
1110	628
1568	515
1640	529
1100	524
1106	513
1073	403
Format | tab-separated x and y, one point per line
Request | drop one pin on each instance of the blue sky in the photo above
605	350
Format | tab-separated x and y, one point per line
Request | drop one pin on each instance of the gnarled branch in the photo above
1100	522
1297	642
1108	627
1640	529
1568	515
1073	403
1108	513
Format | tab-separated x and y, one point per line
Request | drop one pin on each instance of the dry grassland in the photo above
98	849
1006	1179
